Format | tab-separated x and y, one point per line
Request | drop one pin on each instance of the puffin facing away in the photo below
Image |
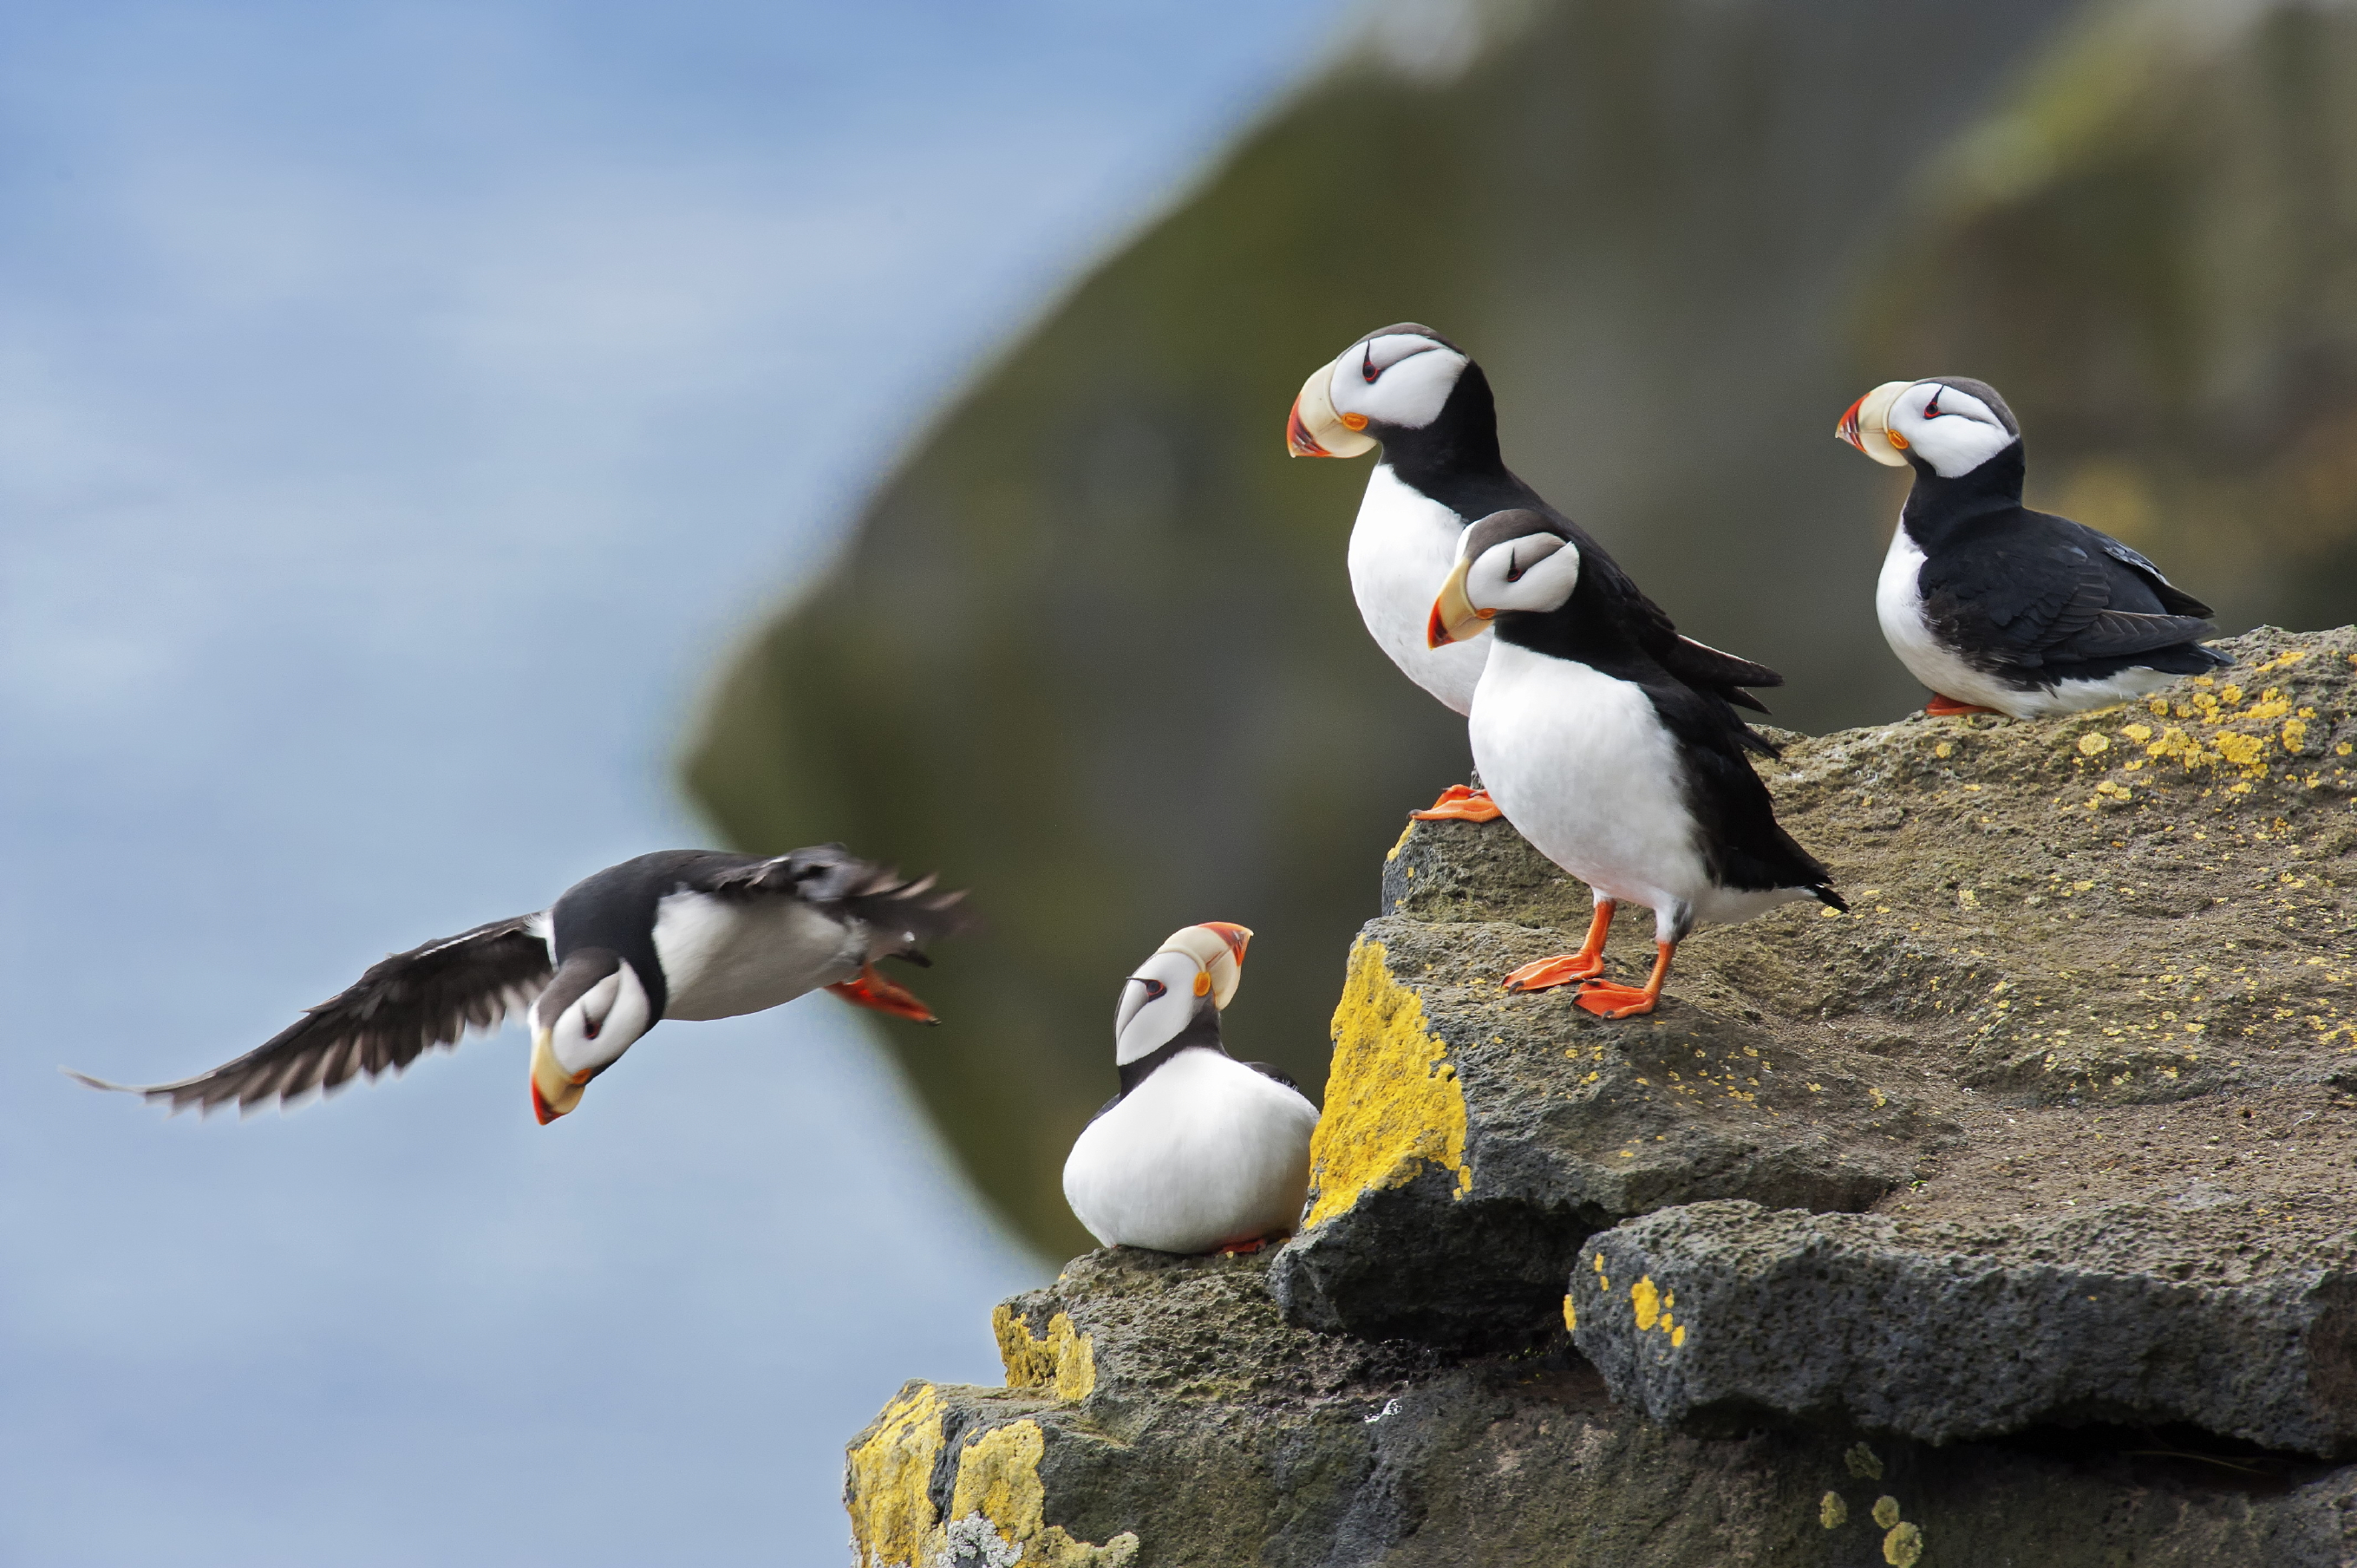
1999	608
1428	406
1199	1153
1614	766
676	934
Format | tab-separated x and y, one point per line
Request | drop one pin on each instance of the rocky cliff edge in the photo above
2006	1219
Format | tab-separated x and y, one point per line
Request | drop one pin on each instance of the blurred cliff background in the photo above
1090	645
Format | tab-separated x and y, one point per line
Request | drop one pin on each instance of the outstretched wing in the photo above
402	1007
831	877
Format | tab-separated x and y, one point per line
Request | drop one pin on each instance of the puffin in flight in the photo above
676	934
1606	755
1199	1153
1999	608
1418	396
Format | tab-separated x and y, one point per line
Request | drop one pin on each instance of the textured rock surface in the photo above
2005	1221
1160	1414
2062	933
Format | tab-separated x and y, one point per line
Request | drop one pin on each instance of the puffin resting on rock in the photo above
1428	405
1609	759
676	934
1199	1153
1999	608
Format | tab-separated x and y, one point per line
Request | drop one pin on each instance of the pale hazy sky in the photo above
401	406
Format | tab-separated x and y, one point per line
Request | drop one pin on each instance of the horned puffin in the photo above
676	934
1199	1153
1613	764
1999	608
1428	405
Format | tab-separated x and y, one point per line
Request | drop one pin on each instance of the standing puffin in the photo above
1999	608
1199	1153
677	934
1613	764
1428	406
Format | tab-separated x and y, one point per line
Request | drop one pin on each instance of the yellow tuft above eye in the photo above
1202	983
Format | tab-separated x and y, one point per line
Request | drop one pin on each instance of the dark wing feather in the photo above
1698	664
1270	1069
402	1007
832	878
2038	591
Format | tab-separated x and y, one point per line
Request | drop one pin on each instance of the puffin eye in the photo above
1514	567
1155	989
1931	409
1367	364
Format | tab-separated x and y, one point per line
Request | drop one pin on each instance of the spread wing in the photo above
2043	590
832	879
402	1007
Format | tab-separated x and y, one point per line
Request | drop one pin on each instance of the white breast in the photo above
1205	1150
1402	549
722	957
1582	766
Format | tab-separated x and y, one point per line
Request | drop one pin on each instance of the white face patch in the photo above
600	1024
1537	572
1155	1005
1953	431
1400	379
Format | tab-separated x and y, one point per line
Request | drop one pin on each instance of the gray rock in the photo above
1938	1332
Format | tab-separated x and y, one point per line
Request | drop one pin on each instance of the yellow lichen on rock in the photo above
1393	1107
1903	1547
1832	1511
1646	1298
998	1479
1065	1361
888	1472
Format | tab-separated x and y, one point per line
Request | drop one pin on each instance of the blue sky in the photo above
402	408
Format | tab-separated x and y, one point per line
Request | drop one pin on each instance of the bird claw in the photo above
1549	972
873	990
1940	706
1459	803
1606	1000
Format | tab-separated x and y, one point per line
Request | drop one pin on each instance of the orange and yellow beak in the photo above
554	1091
1867	426
1454	618
1312	428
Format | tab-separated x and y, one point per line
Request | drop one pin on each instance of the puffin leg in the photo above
1460	803
1606	1000
1941	704
1585	964
1243	1246
873	990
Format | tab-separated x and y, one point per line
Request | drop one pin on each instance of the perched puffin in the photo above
1428	406
676	934
1610	761
1199	1153
1999	608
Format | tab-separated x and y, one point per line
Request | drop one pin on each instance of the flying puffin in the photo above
1999	608
1428	406
676	934
1199	1153
1610	761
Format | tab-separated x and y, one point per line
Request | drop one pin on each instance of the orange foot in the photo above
872	990
1242	1247
1549	972
1460	803
1606	1000
1940	705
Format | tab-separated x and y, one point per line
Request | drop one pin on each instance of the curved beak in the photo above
554	1091
1312	428
1454	618
1865	425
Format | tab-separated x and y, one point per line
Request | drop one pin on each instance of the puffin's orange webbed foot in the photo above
1243	1247
1940	705
1460	803
1548	973
873	990
1606	1000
